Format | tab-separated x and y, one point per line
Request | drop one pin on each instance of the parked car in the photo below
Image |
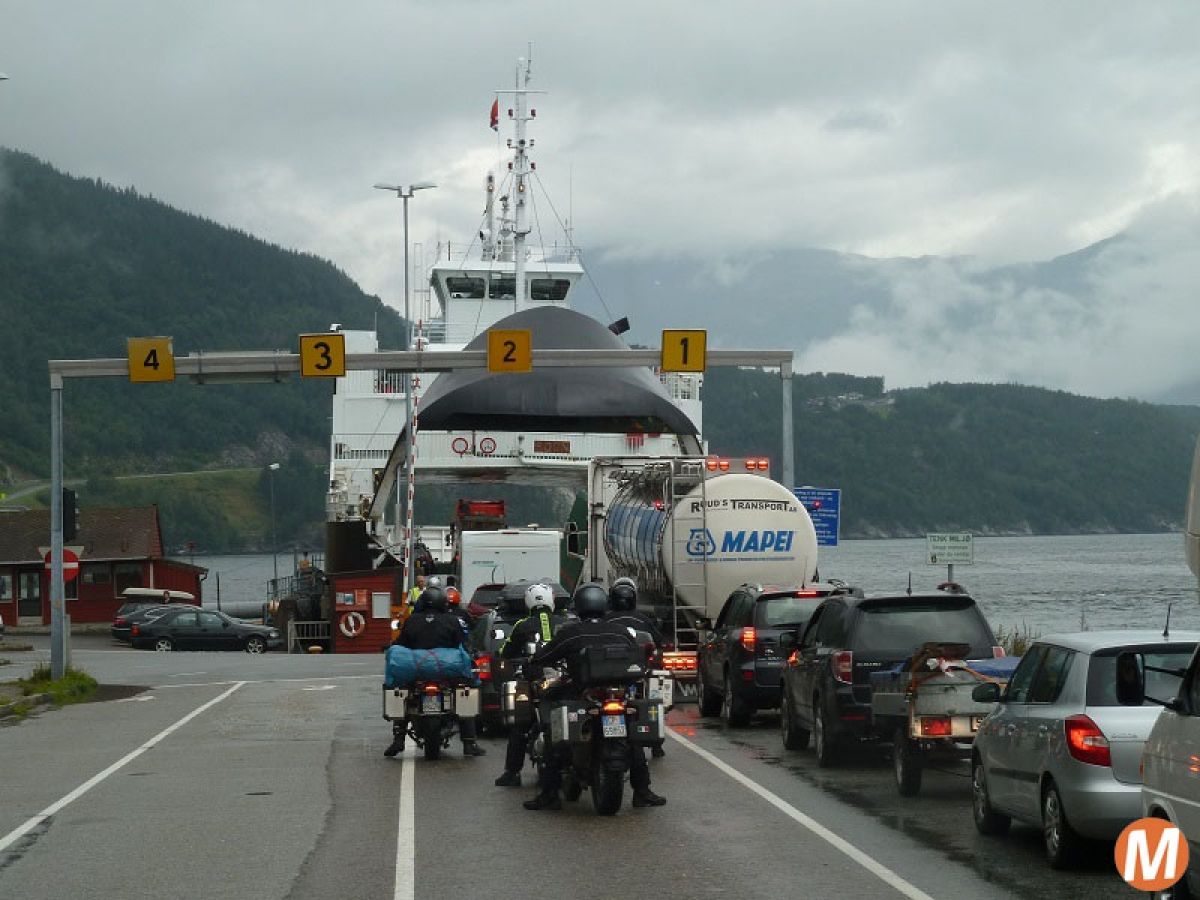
1	625
1060	751
135	614
739	662
826	689
188	628
1170	788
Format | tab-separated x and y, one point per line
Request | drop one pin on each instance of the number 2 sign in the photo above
510	350
151	359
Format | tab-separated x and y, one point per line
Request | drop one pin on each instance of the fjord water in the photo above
1048	584
1043	583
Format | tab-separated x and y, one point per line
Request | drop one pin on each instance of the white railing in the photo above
444	449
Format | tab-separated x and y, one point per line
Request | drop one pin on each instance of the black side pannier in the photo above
611	664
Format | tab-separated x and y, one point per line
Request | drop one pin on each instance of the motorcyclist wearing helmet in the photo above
591	603
622	609
430	626
537	627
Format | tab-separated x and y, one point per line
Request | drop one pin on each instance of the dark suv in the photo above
739	662
826	680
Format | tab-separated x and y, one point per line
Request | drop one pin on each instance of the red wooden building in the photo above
118	548
364	602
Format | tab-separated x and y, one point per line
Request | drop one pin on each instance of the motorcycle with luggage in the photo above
431	690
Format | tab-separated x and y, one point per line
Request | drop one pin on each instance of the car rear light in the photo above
794	658
806	593
1086	742
679	661
998	653
935	726
484	666
119	621
747	639
651	650
135	631
843	667
748	675
613	707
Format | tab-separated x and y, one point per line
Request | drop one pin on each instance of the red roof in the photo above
105	534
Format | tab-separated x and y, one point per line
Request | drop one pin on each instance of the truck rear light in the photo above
935	726
723	465
748	639
1086	742
998	653
711	464
679	661
483	665
843	667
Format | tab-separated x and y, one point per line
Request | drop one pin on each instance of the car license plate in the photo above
613	726
976	721
431	703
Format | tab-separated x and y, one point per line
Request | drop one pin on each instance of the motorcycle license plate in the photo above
613	726
431	703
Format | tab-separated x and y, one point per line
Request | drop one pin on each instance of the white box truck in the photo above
511	554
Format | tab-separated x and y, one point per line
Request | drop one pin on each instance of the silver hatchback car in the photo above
1059	751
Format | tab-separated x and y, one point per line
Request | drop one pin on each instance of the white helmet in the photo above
539	595
434	581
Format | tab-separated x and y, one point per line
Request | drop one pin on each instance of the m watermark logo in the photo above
1151	854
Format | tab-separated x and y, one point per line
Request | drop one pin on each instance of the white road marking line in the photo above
17	833
406	839
320	687
191	684
185	674
139	699
867	862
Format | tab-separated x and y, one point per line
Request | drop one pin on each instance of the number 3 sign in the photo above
323	355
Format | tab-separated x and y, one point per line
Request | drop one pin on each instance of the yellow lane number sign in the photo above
323	355
151	359
684	350
510	350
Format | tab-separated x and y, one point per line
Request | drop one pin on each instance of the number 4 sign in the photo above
151	359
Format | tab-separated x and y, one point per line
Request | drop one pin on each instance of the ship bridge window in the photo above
503	286
553	290
465	287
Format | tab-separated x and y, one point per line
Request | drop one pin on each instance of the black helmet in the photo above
590	601
622	596
433	599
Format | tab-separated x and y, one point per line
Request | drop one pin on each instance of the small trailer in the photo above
924	704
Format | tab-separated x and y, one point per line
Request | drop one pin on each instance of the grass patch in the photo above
74	687
1016	640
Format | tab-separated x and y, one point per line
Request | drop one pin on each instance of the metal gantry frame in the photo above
277	365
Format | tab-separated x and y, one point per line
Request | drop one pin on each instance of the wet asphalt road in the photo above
276	787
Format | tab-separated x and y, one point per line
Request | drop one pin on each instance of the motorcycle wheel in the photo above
432	726
608	790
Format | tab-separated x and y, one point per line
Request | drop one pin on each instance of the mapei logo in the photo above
701	543
1151	854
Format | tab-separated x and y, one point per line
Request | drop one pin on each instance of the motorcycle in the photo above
590	735
431	711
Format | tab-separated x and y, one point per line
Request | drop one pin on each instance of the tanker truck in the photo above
689	531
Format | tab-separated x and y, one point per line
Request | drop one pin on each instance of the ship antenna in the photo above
910	584
1167	627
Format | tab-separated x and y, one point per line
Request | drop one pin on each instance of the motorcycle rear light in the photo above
483	665
747	639
935	726
998	653
431	689
1086	742
843	666
613	708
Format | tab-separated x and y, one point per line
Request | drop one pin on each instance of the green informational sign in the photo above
950	549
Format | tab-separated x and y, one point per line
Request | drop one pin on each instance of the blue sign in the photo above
824	507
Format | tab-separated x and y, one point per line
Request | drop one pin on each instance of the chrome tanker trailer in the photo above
689	531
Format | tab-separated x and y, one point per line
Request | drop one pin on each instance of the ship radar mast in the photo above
521	167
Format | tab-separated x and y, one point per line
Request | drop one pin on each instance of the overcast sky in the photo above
1003	132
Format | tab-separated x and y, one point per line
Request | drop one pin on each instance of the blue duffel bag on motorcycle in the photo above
404	666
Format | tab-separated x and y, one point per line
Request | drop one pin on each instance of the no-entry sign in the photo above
70	564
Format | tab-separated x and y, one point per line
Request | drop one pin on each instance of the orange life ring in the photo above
352	624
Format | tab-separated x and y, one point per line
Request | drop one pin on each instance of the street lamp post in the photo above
273	468
405	194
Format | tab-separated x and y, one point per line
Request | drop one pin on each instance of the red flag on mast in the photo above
496	114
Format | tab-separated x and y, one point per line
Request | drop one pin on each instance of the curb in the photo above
36	699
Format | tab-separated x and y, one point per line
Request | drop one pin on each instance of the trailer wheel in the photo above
907	763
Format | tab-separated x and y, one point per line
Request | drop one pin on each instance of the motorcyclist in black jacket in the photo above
537	627
591	603
430	626
622	609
